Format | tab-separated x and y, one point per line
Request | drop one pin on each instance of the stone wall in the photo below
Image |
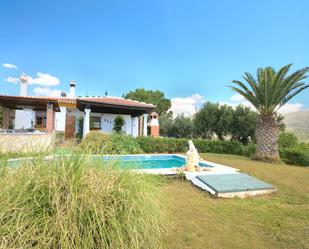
26	142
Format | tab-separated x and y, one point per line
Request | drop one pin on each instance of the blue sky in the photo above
189	49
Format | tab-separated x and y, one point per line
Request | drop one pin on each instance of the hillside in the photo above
298	123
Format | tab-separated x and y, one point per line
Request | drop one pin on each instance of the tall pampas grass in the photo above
75	202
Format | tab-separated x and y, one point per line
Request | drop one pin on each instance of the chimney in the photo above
23	85
72	89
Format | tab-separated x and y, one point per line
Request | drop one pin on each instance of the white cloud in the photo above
237	99
12	80
187	106
9	66
45	91
44	79
287	108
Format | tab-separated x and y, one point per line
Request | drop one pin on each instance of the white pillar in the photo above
86	126
134	127
145	125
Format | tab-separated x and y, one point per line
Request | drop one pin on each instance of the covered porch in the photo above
98	115
28	114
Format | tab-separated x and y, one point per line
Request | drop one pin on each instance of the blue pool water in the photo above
134	161
149	161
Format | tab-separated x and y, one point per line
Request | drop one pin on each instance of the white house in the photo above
69	113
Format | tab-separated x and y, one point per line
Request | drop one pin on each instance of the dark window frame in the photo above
95	123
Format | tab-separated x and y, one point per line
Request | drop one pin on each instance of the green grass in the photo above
281	220
78	203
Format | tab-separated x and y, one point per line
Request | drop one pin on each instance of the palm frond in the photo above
251	98
243	86
271	89
252	82
291	83
290	96
281	74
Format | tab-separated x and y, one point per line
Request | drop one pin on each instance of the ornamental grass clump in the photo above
75	202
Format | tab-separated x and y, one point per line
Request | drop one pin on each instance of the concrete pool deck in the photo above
214	169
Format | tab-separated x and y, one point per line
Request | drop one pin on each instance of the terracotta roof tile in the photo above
106	100
66	100
30	97
117	101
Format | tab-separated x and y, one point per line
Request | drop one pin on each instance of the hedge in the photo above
173	145
295	155
100	143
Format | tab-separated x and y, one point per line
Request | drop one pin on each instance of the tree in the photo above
166	124
152	97
118	124
180	127
205	120
269	91
243	124
213	119
223	122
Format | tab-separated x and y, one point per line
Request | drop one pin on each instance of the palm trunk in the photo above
267	137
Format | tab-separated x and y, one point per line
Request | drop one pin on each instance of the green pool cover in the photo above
227	183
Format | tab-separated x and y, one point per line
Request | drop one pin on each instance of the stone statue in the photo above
192	158
191	146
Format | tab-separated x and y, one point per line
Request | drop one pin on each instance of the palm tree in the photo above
267	93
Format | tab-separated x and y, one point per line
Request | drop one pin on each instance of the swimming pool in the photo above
162	164
150	161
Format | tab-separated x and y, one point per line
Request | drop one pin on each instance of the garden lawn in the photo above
281	220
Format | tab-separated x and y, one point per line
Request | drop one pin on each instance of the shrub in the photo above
118	124
250	149
291	151
221	147
97	142
123	144
287	140
162	145
298	155
173	145
77	203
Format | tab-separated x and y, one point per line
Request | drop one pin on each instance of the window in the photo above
95	123
40	120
